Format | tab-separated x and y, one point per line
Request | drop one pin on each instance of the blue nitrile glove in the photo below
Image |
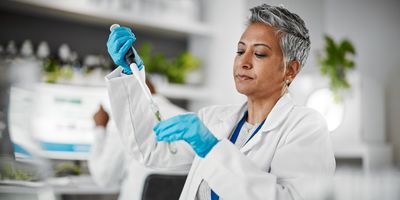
119	42
187	127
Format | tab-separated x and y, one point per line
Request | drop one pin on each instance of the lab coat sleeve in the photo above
135	121
305	160
106	158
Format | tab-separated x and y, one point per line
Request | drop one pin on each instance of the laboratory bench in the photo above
63	188
155	187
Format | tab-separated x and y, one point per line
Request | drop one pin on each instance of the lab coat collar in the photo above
278	113
228	119
275	118
232	116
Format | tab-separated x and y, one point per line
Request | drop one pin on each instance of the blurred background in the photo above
53	60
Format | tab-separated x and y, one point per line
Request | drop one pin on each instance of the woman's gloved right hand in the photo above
187	127
119	42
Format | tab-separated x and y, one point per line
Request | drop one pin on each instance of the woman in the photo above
267	148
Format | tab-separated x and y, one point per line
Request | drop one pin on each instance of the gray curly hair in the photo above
294	36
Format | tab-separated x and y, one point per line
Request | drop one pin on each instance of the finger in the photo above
115	35
116	47
161	130
120	32
171	138
163	127
171	122
166	123
164	134
125	47
172	130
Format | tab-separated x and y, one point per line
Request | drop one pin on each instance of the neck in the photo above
259	108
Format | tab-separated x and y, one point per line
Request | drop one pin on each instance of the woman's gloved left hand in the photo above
187	127
119	42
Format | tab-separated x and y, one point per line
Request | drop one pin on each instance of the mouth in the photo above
243	77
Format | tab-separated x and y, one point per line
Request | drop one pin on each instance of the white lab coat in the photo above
111	166
291	153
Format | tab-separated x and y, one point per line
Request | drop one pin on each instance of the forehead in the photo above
260	33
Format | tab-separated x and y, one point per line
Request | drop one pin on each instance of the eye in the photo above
239	52
260	55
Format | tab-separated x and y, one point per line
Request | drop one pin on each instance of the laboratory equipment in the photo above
130	59
119	47
63	123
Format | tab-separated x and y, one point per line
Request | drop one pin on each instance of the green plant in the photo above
174	69
10	172
66	169
51	70
336	62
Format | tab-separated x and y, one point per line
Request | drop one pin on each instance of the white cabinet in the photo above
167	19
146	16
212	33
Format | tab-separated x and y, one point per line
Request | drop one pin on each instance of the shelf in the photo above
350	151
79	185
176	91
59	185
83	11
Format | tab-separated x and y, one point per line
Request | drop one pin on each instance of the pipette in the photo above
130	58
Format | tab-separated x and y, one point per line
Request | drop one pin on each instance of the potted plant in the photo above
174	69
336	61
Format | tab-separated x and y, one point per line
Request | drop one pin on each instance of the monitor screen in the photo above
61	119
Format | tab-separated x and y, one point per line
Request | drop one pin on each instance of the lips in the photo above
243	77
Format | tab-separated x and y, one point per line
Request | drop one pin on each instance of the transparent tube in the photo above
171	146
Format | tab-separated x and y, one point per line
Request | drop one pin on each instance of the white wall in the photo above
227	20
374	29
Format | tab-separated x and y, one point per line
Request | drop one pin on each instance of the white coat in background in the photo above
290	155
111	166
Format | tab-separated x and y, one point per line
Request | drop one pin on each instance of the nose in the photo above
244	60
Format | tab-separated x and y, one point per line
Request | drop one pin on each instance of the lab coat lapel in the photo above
228	121
222	128
277	115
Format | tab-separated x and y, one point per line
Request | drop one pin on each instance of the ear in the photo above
292	70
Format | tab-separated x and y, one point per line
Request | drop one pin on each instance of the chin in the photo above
242	90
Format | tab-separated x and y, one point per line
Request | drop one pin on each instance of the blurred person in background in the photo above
110	165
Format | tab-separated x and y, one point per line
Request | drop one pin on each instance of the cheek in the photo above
269	74
235	63
235	67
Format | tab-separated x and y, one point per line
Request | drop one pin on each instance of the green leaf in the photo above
347	47
335	63
175	68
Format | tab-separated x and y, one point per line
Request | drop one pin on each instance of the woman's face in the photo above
258	67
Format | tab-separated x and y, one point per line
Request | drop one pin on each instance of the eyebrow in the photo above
257	44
